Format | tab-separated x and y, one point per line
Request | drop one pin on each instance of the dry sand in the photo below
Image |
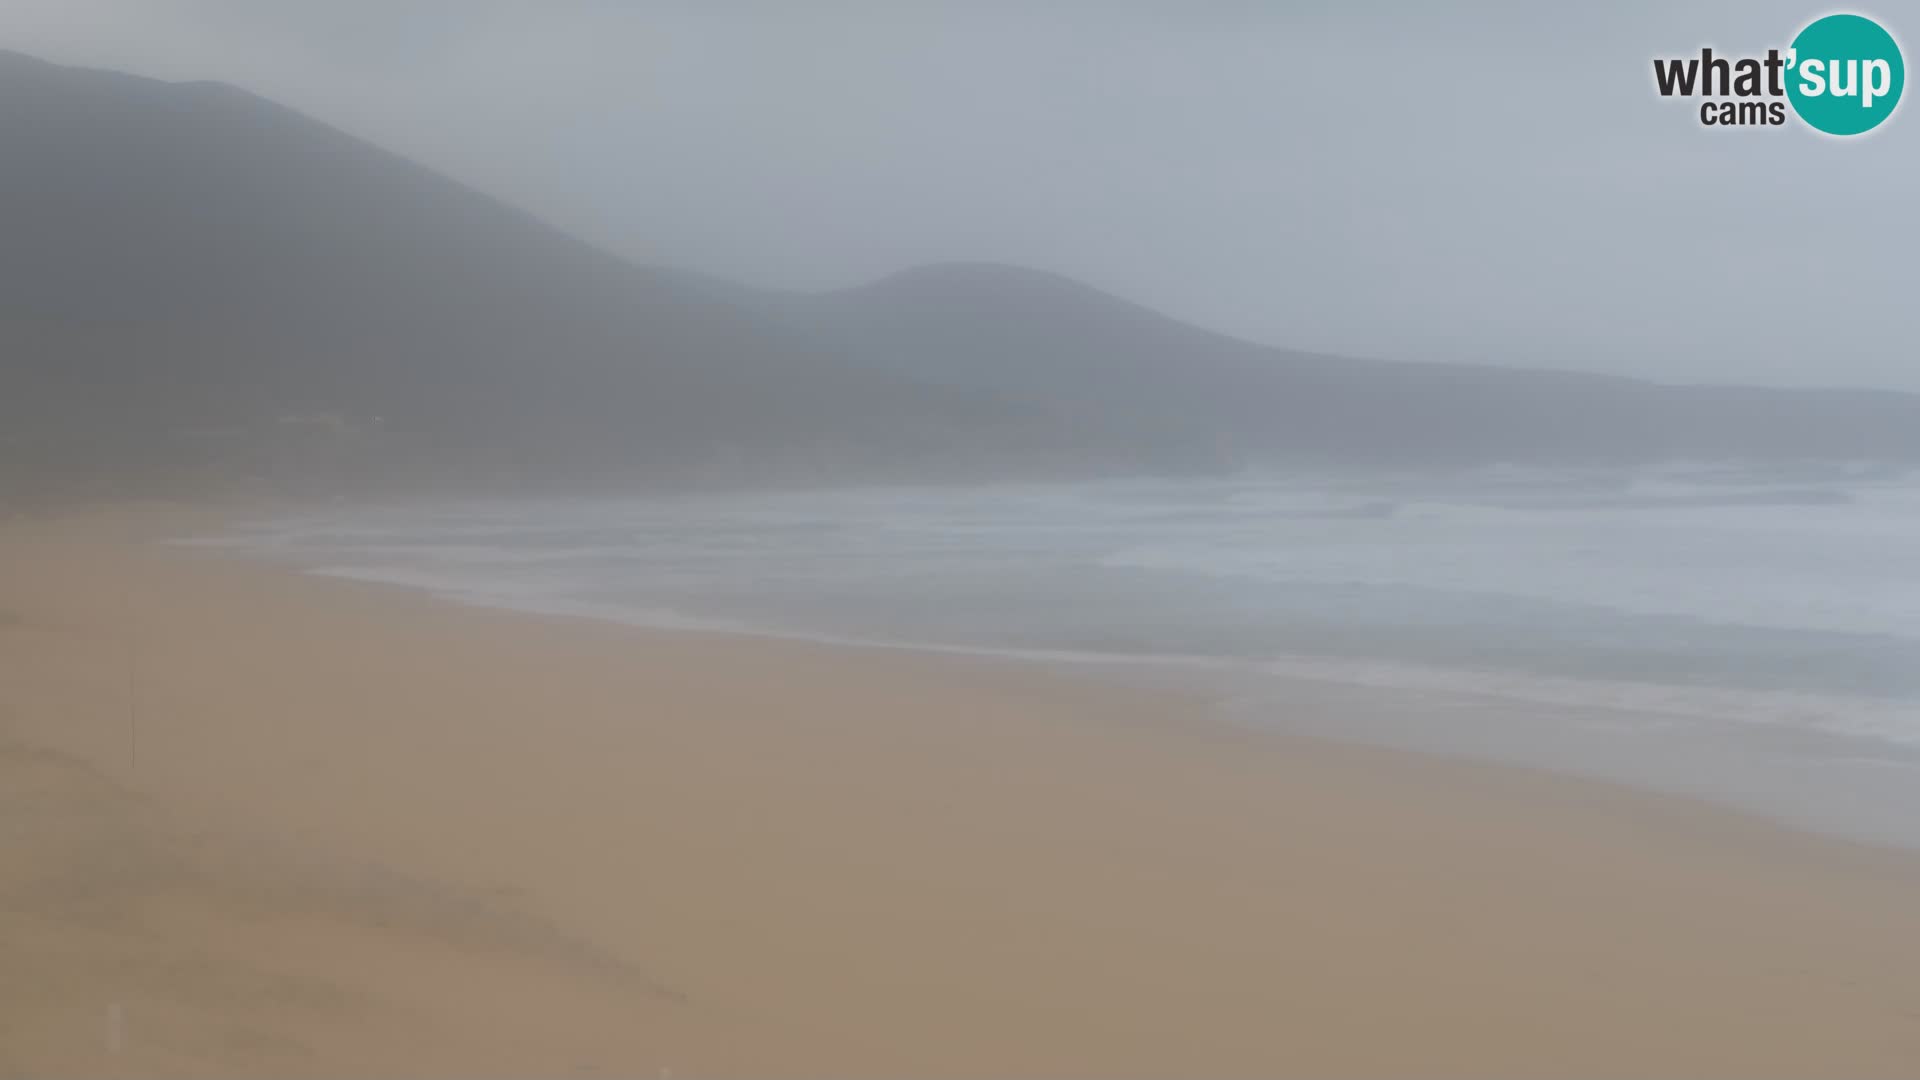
367	833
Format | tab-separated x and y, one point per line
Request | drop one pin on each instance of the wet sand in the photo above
258	823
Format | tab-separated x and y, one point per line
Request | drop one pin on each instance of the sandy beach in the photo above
255	823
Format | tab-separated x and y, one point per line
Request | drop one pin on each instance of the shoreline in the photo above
1705	748
403	834
1261	695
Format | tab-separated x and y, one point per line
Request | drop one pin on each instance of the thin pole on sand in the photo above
133	685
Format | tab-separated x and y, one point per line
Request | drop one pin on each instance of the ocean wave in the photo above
1878	719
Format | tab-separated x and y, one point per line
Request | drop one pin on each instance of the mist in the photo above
956	538
1491	182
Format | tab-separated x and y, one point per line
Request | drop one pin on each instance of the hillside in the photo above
1041	337
202	287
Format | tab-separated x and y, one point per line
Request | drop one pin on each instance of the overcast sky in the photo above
1488	181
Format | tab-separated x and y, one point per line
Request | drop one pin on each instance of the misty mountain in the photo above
204	284
187	263
1041	337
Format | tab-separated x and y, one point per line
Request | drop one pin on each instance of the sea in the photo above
1747	635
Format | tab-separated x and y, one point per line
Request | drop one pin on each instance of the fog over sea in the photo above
1745	635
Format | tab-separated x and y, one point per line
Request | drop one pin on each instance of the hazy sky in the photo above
1477	181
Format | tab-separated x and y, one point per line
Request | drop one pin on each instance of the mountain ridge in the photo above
187	258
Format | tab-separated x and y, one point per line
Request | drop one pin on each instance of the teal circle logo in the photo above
1845	74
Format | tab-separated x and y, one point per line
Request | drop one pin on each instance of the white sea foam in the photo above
1718	598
